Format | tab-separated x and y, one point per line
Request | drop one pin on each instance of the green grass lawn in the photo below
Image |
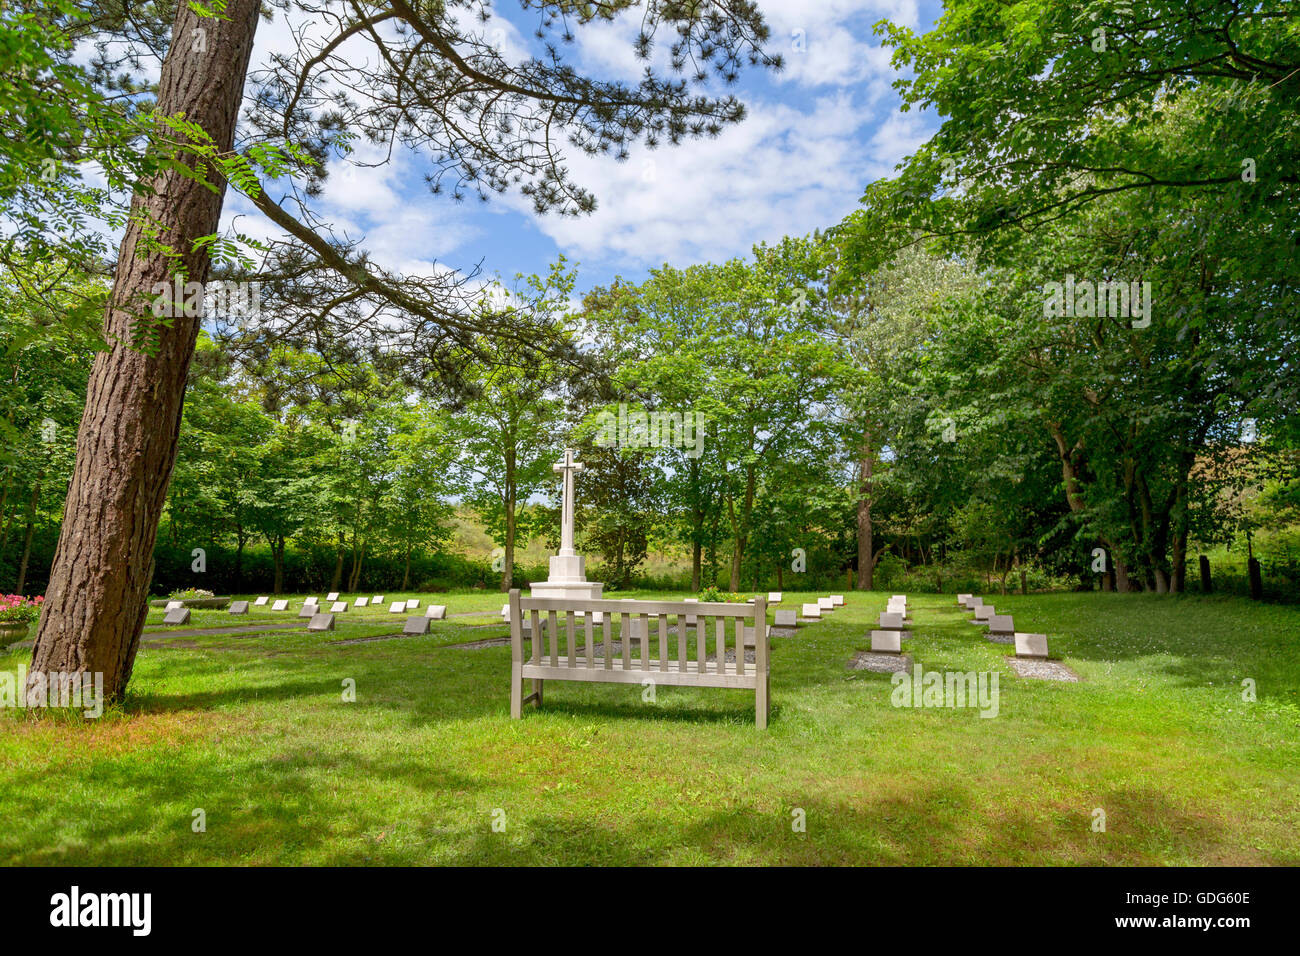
255	732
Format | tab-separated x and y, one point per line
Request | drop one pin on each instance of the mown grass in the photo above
255	732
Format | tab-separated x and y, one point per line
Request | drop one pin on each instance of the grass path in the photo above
253	730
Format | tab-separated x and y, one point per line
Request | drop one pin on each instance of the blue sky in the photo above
815	135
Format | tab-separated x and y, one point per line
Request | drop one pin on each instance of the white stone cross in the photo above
567	466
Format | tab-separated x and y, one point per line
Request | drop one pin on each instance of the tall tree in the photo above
431	79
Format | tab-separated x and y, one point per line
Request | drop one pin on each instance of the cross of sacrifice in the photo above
567	466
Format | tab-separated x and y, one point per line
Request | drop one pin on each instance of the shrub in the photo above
188	593
16	609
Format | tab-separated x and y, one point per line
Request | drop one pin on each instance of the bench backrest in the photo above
560	625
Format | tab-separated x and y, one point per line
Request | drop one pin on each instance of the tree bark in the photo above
866	471
277	552
336	578
27	540
97	597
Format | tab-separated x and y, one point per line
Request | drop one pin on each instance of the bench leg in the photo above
761	708
537	691
516	691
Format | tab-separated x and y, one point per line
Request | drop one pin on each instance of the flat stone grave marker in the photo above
811	610
773	597
691	618
321	622
280	605
377	599
416	624
983	613
310	600
887	642
260	602
412	603
837	600
1031	645
638	629
397	607
1001	624
338	607
177	615
359	602
505	612
963	598
973	602
786	619
891	622
173	605
898	597
238	607
436	612
308	610
826	604
332	596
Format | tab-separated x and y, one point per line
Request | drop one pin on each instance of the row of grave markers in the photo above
783	617
888	635
1002	625
177	613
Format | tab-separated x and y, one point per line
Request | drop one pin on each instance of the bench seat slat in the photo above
618	675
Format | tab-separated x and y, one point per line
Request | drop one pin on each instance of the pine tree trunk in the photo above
97	597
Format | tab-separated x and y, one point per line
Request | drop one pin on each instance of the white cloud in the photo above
781	172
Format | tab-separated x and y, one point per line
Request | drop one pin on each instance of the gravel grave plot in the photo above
731	657
367	640
1043	670
880	663
217	631
1001	638
475	645
782	631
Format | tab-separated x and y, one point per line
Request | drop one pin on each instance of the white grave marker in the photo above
886	642
1031	645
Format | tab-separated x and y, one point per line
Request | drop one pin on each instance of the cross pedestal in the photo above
568	577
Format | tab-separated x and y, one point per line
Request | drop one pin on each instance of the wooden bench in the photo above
569	624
